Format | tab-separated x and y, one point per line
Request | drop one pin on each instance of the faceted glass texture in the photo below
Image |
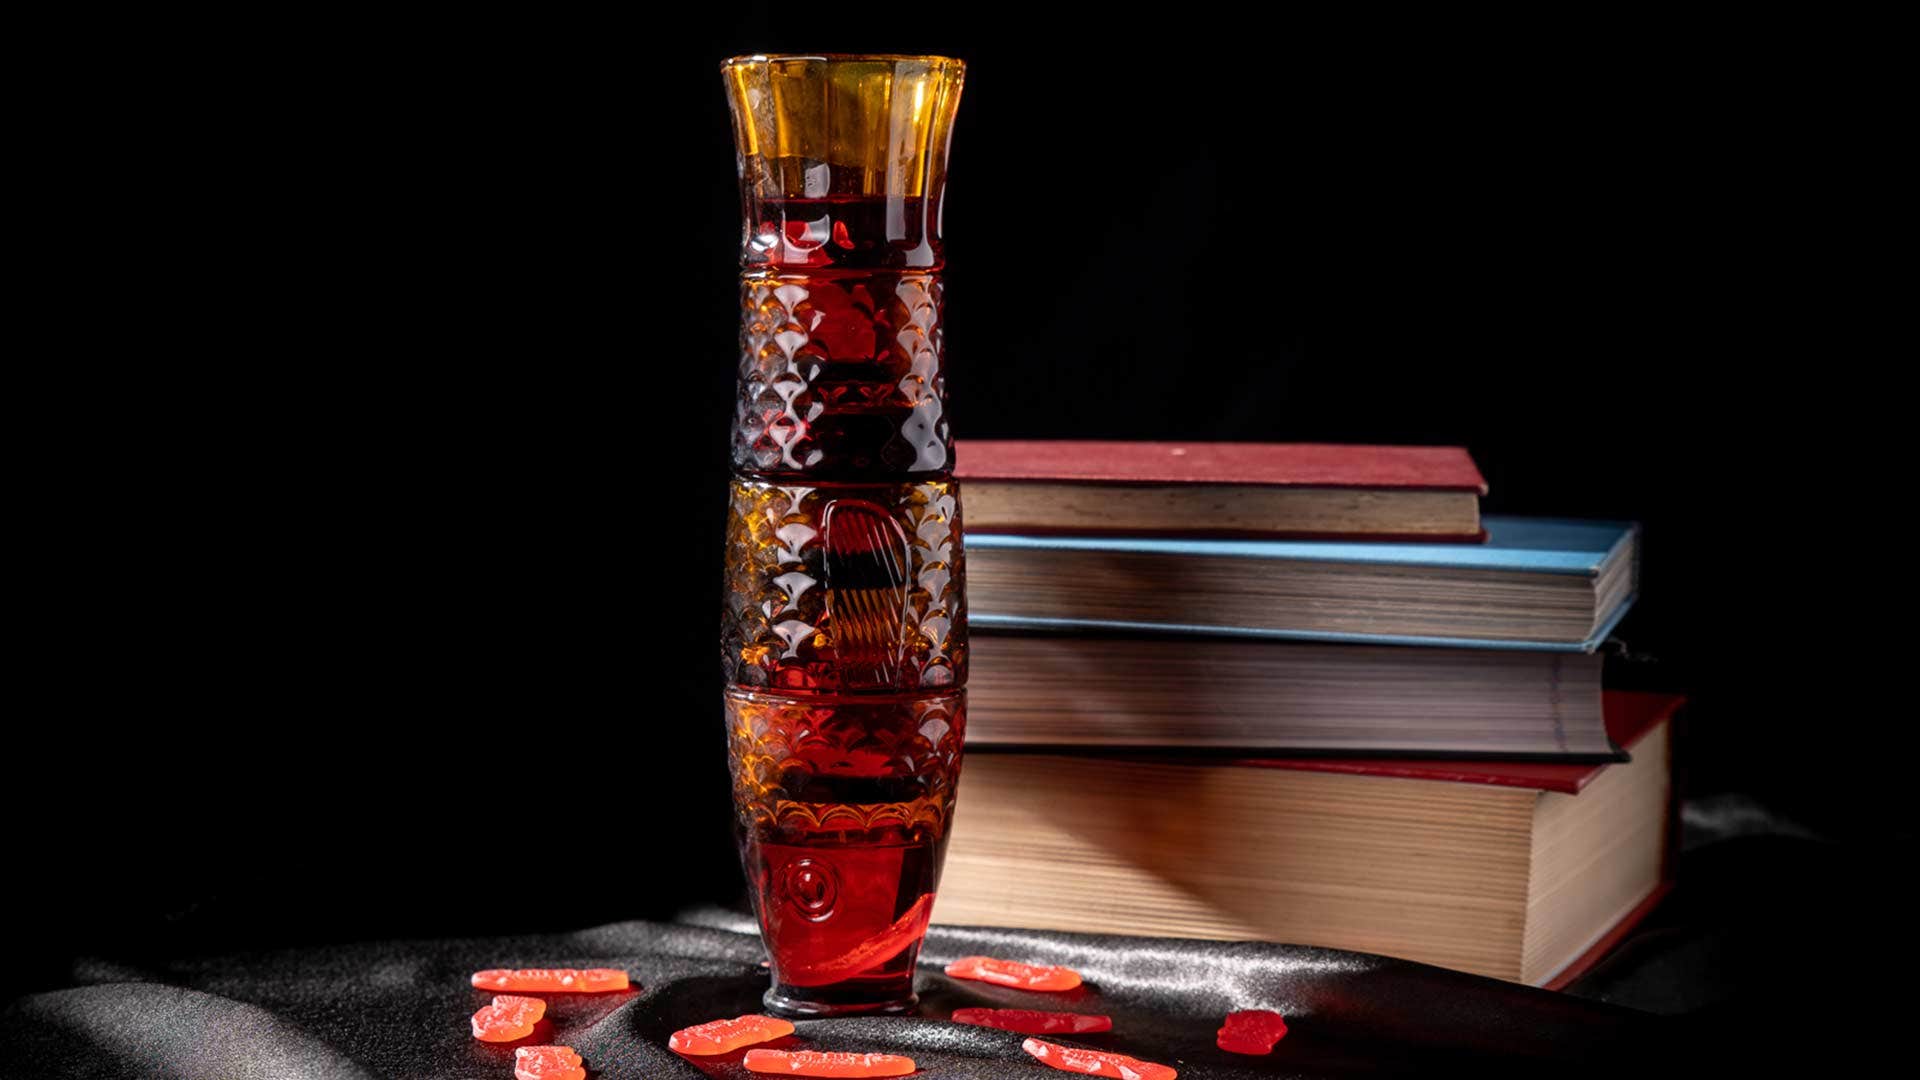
841	376
885	766
844	587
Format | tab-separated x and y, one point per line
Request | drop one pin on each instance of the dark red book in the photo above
1221	489
1630	718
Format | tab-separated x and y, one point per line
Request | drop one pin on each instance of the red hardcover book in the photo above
1630	717
1520	871
1221	489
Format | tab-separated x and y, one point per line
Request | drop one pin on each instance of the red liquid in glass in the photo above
845	232
844	805
873	937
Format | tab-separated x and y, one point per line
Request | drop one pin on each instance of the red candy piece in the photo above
816	1063
552	980
725	1036
1252	1031
1033	1021
547	1063
867	955
508	1018
1009	973
1096	1063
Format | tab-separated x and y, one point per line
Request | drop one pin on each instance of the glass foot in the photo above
820	1004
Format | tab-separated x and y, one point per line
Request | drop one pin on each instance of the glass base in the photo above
818	1006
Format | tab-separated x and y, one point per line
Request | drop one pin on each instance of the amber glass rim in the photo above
836	58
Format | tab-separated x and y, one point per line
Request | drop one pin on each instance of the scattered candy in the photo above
1009	973
867	955
725	1036
1252	1031
552	980
547	1063
508	1018
1096	1062
816	1063
1033	1021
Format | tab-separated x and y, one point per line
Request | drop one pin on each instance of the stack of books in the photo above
1300	693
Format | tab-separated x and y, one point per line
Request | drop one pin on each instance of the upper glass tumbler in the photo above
843	162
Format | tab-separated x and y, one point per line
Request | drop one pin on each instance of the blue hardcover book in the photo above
1535	584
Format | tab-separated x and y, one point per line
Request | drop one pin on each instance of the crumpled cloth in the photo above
401	1010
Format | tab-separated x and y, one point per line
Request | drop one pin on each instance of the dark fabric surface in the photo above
401	1010
1774	956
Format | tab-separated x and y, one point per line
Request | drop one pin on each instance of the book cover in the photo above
1258	490
1429	468
1520	544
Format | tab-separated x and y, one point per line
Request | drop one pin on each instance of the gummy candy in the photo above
1096	1062
869	954
547	1063
1252	1031
552	980
1010	973
1033	1021
508	1018
723	1036
816	1063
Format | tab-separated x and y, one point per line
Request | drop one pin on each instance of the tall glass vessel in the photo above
844	635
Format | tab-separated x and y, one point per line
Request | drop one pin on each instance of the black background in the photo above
387	485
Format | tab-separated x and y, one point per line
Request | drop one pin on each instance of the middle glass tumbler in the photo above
844	635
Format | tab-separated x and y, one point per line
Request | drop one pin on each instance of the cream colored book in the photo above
1516	871
1212	693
